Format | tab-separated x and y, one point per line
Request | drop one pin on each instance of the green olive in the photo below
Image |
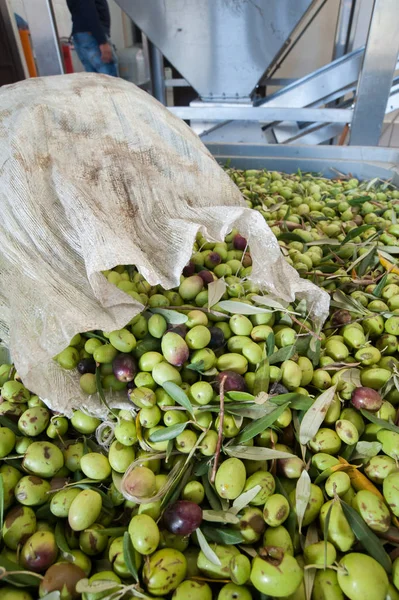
192	590
276	510
339	531
326	586
230	478
84	510
275	573
144	534
164	571
361	576
372	510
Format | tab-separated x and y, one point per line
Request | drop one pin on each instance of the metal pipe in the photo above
375	80
262	113
157	73
343	30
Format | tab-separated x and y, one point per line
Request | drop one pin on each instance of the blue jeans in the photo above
89	53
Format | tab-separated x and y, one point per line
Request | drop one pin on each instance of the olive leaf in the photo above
270	301
171	316
302	496
61	541
225	536
210	494
1	503
355	232
359	200
282	354
270	343
367	449
56	595
341	300
261	398
206	549
366	537
325	532
262	377
244	499
310	574
384	424
168	433
6	422
220	516
251	411
44	513
100	391
237	396
19	579
297	401
256	427
84	587
178	395
314	416
128	556
289	237
216	290
241	308
198	367
256	453
351	376
378	288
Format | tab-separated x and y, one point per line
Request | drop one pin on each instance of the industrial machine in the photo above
228	50
225	48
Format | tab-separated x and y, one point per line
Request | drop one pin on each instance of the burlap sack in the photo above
95	173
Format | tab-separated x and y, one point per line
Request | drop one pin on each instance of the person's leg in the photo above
83	43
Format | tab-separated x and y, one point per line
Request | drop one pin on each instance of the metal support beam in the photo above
157	73
342	33
262	113
376	75
43	31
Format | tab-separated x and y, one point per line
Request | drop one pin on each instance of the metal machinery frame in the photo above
224	48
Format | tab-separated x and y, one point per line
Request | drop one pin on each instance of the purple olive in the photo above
341	317
246	260
233	382
277	388
366	398
239	242
179	329
206	276
182	517
124	367
189	269
213	259
86	365
217	338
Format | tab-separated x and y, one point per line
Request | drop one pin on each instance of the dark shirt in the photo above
90	16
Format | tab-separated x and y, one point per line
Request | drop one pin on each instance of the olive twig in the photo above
220	432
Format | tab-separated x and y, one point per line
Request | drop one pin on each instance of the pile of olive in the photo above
204	489
302	209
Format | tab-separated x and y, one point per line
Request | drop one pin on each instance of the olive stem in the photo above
220	432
